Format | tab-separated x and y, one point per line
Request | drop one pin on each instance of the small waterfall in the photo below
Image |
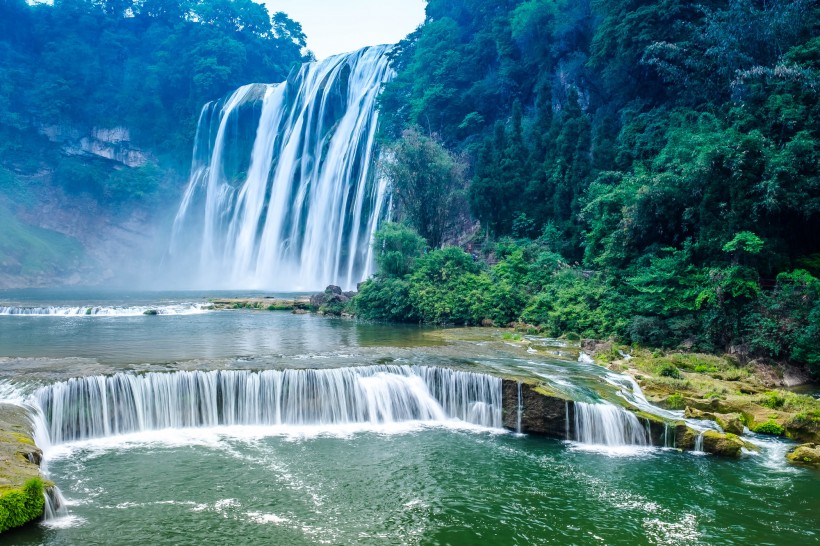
283	194
55	506
101	406
520	409
608	425
668	440
699	443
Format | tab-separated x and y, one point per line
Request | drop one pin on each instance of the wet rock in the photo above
543	412
722	445
333	289
695	413
806	454
730	422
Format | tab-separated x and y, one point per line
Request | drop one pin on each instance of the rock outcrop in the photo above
806	454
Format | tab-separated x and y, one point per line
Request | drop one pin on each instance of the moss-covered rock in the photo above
730	422
723	445
21	487
806	454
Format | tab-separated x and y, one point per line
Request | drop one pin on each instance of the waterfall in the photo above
699	443
283	194
55	505
101	406
520	410
608	425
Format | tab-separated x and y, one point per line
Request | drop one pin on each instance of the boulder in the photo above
333	289
806	454
722	445
730	422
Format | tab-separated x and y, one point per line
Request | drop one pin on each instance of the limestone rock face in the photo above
806	454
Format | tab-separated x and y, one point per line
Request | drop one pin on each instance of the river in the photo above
372	479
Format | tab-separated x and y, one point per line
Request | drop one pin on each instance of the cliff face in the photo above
80	207
112	143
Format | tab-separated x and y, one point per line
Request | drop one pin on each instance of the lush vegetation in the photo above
640	170
148	65
18	507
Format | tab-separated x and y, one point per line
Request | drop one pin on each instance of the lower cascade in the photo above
100	406
608	425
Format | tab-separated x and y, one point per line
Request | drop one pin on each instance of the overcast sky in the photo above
339	26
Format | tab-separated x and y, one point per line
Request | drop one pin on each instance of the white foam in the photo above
106	311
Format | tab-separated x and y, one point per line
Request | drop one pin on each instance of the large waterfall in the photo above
283	193
99	406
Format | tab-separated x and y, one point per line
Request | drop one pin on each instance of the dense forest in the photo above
643	170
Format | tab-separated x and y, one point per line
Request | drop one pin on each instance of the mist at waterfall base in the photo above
284	194
265	427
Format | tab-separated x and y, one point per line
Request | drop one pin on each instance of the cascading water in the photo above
519	410
283	193
105	311
100	406
608	425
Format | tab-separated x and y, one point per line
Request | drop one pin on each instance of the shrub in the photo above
385	299
675	401
18	507
769	427
773	400
669	370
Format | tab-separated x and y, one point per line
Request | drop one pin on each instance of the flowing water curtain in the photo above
283	193
100	406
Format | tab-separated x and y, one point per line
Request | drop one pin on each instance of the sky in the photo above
339	26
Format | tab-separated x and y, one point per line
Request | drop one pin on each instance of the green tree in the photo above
428	182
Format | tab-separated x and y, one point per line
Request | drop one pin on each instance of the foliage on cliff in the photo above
666	152
148	65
